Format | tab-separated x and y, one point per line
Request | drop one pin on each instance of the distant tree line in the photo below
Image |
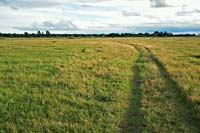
48	34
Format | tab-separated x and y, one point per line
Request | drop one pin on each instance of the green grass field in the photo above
100	85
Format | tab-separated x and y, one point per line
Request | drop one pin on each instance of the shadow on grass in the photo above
189	113
134	121
185	110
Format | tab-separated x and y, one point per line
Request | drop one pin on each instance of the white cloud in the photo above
159	3
96	15
130	13
49	25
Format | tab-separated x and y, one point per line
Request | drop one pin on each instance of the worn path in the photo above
157	104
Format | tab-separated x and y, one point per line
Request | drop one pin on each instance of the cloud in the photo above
130	13
62	25
17	4
174	29
96	16
158	3
187	13
49	25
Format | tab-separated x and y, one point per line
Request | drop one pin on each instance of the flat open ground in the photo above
100	85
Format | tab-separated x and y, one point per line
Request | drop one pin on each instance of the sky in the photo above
99	16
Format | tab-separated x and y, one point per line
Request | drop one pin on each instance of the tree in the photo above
147	34
48	34
39	34
26	34
156	33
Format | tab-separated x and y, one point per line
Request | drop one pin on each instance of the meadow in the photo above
100	84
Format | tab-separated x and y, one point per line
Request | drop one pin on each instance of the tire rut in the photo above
181	115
